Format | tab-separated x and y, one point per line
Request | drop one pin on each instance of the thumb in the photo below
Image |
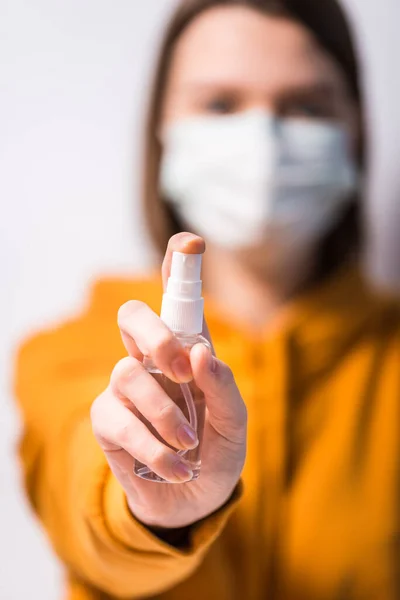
227	412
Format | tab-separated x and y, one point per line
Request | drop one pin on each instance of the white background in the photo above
73	82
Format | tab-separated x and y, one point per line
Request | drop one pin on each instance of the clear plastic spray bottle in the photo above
182	311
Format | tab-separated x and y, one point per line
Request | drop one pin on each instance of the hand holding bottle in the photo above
134	414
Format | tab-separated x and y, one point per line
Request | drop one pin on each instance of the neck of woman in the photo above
252	291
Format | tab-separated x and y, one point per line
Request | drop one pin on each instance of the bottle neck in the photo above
190	340
183	316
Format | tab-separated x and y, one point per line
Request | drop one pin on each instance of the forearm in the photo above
79	501
85	512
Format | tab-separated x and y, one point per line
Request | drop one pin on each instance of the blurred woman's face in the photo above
233	68
234	59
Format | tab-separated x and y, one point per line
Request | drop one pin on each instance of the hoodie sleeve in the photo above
71	488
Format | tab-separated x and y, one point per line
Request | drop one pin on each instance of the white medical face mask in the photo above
236	179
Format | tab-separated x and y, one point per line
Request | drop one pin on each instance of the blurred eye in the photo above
308	110
220	106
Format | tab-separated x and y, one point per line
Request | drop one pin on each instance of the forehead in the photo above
240	45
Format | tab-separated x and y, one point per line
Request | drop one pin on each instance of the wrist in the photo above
162	521
179	519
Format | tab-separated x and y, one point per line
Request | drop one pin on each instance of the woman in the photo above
255	142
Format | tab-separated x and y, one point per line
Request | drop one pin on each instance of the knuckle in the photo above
164	342
157	457
240	427
93	416
123	434
128	310
96	410
168	413
226	375
127	369
242	413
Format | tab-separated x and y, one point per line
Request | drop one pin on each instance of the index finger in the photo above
188	243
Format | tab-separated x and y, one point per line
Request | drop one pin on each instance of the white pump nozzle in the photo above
186	267
182	306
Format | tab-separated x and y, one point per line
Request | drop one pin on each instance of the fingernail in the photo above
187	436
182	369
182	471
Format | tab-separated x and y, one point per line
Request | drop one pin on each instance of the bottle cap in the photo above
182	306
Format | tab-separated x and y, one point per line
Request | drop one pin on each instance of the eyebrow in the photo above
322	88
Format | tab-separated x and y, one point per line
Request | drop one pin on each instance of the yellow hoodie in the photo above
318	516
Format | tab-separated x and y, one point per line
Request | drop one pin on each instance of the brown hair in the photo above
325	19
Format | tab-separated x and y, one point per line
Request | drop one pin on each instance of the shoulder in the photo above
385	320
382	336
91	336
107	295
